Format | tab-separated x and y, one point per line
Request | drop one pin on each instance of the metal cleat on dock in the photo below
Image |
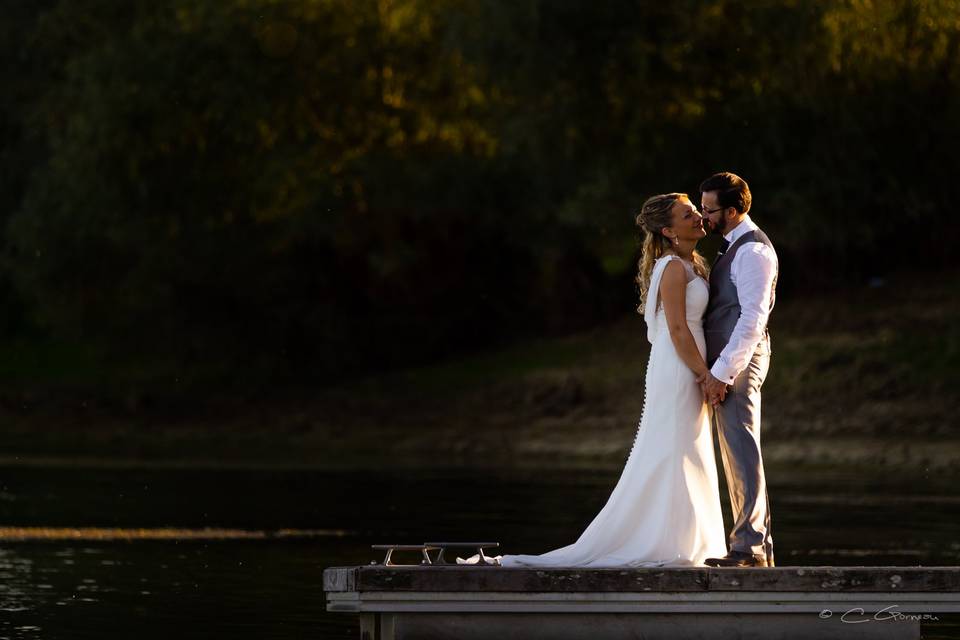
390	548
440	548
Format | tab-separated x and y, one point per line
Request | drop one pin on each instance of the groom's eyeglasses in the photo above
709	211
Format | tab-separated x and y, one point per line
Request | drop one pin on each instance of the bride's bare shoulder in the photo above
673	273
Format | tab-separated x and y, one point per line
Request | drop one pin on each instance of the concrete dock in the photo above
464	602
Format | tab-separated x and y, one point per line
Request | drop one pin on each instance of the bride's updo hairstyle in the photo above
657	213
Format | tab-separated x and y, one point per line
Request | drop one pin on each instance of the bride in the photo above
665	509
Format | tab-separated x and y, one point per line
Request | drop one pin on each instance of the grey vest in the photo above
723	310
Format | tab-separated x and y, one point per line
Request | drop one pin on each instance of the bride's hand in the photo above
702	381
714	391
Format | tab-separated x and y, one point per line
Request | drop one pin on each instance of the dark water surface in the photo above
272	587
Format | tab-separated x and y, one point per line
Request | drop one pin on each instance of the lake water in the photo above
217	584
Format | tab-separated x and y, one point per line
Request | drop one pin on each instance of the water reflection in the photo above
202	555
161	590
158	533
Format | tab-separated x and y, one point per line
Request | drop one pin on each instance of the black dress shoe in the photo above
737	559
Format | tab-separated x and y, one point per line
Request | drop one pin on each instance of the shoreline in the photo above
860	377
941	458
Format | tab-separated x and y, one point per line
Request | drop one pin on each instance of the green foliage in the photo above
320	187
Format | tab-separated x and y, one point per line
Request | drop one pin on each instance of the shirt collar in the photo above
746	226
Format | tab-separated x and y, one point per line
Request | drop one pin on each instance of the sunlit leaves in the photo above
892	34
319	176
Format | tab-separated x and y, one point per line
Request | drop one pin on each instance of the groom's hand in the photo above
713	388
720	397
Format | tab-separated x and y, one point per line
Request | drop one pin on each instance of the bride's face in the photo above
687	221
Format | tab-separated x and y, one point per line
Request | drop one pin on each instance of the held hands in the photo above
714	391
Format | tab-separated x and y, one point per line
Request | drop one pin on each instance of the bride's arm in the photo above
673	294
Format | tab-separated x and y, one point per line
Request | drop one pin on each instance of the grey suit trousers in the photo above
737	420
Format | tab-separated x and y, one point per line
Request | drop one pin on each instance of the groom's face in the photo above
714	216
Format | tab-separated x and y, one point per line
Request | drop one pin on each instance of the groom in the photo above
742	293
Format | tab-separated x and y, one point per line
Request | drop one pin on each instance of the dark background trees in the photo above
266	191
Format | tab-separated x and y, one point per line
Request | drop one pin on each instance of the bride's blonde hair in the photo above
657	213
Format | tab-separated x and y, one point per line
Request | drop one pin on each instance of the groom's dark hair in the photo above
732	190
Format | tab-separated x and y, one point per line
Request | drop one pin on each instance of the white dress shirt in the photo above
753	272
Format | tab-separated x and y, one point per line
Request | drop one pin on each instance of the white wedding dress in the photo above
665	509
